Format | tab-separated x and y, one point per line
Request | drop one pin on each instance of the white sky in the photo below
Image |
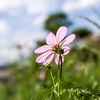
21	21
72	5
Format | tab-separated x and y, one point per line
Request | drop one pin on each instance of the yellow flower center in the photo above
57	48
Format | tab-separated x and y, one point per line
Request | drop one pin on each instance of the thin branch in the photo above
89	20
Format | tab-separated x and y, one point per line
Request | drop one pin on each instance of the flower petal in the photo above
42	49
43	57
51	39
66	50
62	58
48	59
61	33
56	58
68	39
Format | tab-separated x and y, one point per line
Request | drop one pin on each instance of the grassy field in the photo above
81	70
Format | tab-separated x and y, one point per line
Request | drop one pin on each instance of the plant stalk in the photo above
59	76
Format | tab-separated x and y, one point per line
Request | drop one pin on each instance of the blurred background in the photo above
24	24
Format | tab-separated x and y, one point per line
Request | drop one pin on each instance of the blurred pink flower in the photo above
55	45
19	46
78	68
42	75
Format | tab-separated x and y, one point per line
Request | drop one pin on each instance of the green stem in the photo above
46	95
58	83
61	67
52	78
61	72
59	76
53	82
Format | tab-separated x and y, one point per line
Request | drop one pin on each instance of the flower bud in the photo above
48	66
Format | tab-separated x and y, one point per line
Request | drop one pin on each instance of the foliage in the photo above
81	77
40	43
54	21
82	32
79	94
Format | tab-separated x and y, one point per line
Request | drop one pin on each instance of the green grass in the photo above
24	83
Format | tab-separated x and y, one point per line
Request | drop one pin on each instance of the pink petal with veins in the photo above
51	39
68	39
48	59
43	57
42	49
61	33
66	50
56	58
62	58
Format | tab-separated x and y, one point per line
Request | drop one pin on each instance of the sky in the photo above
22	22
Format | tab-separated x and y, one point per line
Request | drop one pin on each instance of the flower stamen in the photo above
57	49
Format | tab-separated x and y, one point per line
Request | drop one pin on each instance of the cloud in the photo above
31	6
4	28
5	55
73	5
26	18
36	6
27	40
6	4
39	20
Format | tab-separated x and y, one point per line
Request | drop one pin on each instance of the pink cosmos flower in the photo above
78	68
19	46
55	45
42	75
